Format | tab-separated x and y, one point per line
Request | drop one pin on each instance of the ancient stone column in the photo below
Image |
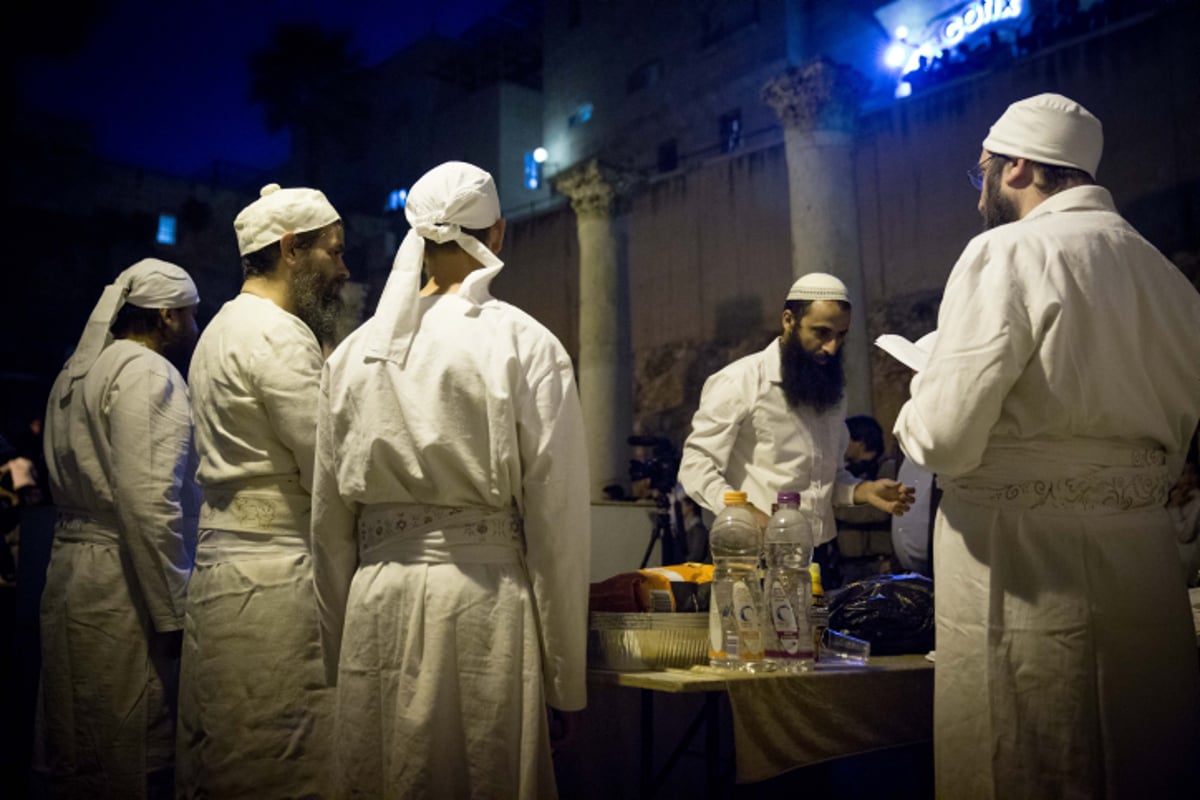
600	197
818	105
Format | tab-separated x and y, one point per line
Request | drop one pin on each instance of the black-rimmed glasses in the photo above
975	173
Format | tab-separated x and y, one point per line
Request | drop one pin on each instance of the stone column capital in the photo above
597	189
819	95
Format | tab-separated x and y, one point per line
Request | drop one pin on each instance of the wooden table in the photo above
781	720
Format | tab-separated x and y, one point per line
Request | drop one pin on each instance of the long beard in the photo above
808	382
318	302
997	209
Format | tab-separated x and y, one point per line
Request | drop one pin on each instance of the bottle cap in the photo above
735	498
788	498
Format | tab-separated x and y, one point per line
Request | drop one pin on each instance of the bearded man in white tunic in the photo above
775	421
121	465
1056	408
450	521
254	712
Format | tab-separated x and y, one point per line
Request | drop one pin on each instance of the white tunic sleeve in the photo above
334	552
287	373
150	432
557	528
724	404
985	339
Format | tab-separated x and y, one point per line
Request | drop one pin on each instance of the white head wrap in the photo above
278	211
819	286
1049	129
450	197
150	283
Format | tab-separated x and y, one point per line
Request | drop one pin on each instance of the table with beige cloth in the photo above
782	721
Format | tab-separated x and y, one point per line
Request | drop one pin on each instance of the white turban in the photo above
1049	129
150	283
441	204
819	286
278	211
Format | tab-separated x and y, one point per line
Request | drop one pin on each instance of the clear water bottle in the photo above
787	589
736	607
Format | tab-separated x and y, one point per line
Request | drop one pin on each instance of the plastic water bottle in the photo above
787	590
735	611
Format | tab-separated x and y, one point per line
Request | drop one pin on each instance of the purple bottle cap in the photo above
788	498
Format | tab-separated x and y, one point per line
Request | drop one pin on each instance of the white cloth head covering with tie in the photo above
150	283
280	211
446	200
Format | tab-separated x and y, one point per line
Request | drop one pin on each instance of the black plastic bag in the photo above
892	612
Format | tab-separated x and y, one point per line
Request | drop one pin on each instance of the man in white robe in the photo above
254	712
450	521
775	421
1055	408
121	464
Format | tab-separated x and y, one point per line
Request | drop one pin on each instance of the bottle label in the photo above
783	617
746	618
716	634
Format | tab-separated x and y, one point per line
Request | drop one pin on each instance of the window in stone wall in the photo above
166	229
731	130
726	17
647	74
668	156
581	115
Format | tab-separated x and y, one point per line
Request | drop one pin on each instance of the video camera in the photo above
662	469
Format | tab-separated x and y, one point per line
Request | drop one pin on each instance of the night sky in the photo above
166	85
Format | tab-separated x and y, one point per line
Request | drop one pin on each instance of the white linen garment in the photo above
1055	409
746	438
254	713
451	546
121	464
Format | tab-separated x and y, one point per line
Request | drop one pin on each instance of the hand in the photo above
886	495
1182	491
761	519
24	473
564	725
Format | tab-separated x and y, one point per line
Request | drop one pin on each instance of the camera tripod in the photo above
661	529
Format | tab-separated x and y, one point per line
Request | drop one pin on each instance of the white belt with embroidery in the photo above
426	534
271	506
87	527
1076	476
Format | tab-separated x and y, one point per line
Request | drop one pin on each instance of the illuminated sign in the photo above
926	28
975	16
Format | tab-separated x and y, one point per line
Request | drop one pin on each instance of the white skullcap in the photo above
278	211
150	283
819	286
450	197
1049	129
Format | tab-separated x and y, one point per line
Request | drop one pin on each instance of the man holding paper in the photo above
1066	657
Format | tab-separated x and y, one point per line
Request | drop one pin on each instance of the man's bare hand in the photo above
761	518
564	725
886	495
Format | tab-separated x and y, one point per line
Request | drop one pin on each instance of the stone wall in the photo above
710	248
